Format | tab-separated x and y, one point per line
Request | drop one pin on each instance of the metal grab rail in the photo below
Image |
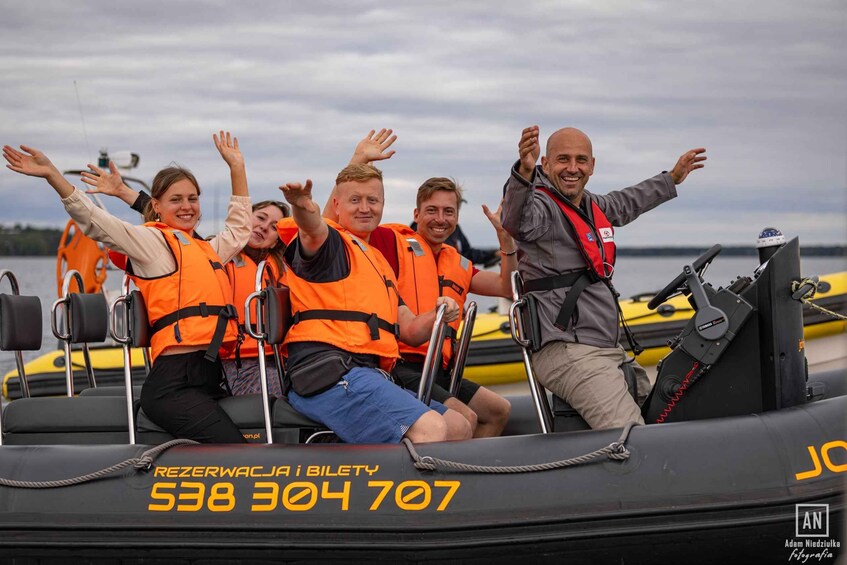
73	274
519	333
460	356
126	342
433	355
261	335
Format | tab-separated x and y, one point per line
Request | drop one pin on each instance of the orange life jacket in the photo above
186	307
424	278
357	313
241	271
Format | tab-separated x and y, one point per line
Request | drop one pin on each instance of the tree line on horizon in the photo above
19	241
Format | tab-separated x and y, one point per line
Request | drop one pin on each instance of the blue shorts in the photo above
365	407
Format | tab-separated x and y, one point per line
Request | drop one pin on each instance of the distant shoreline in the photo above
27	241
727	251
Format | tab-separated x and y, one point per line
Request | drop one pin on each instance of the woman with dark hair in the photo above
241	366
182	279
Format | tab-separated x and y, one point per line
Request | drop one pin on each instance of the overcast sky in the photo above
761	84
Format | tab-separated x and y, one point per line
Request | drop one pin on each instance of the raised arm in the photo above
227	146
416	330
109	183
373	147
488	283
33	163
313	230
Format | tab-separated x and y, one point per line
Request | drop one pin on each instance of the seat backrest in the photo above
20	323
277	313
139	323
89	315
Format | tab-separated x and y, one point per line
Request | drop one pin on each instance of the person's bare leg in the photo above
454	403
492	412
458	427
429	427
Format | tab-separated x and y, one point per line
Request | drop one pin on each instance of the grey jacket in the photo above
547	247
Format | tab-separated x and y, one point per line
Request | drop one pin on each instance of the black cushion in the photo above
89	317
20	323
139	327
277	313
65	415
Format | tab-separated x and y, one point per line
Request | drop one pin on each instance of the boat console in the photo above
743	350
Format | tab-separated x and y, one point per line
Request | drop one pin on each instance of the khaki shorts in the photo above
590	380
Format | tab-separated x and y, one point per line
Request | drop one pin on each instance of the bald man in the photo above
566	244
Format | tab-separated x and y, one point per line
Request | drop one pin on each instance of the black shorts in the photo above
408	375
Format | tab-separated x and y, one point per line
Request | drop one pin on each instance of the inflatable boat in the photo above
493	357
747	465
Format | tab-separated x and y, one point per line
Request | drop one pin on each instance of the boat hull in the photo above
689	492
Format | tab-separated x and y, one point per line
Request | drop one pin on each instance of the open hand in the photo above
374	147
103	182
494	217
691	160
228	148
29	161
300	195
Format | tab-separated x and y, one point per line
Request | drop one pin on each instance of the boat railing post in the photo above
433	356
125	340
71	275
519	334
260	334
461	353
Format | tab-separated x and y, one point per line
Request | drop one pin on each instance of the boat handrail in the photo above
261	335
539	394
432	361
126	341
460	356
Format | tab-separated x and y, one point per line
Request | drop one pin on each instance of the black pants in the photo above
181	395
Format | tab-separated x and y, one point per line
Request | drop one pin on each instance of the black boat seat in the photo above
289	426
63	420
111	391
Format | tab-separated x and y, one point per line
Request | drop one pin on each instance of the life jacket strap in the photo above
203	310
374	322
577	281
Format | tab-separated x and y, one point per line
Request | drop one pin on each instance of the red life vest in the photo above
596	240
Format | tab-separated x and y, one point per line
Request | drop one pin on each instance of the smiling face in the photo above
264	234
569	162
359	205
179	205
437	217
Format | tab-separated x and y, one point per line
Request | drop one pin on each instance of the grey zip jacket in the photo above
547	247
